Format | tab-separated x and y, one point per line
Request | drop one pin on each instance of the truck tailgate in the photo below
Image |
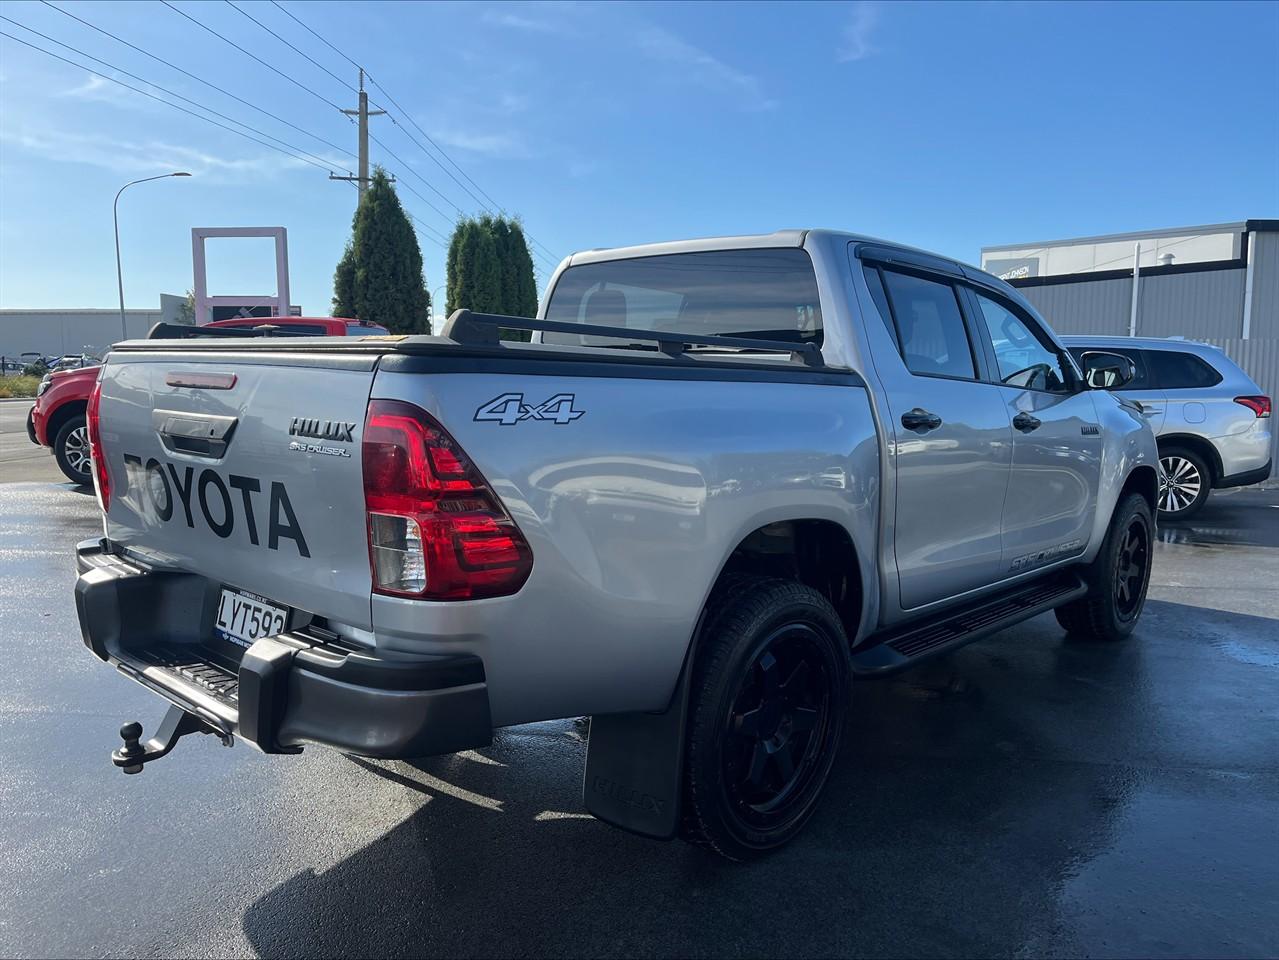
243	467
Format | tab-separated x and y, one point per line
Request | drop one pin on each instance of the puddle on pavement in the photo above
1245	653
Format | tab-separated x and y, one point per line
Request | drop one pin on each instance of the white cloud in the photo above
96	89
659	44
856	44
148	156
528	24
506	145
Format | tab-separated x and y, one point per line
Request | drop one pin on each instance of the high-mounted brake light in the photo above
1258	405
102	483
437	531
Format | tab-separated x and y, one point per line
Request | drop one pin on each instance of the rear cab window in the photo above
765	293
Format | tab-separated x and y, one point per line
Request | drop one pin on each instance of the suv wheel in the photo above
71	450
1184	483
770	686
1117	580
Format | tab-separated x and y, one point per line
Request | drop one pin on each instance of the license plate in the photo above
243	617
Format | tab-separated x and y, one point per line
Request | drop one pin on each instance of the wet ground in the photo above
1028	795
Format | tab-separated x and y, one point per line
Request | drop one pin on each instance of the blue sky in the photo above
948	126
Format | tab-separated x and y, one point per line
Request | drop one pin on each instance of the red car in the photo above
58	418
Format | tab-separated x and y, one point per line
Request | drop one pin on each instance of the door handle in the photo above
921	420
1026	423
197	435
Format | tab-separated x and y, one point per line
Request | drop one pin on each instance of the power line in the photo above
325	99
492	204
187	73
437	240
316	35
242	12
297	83
400	159
194	103
168	103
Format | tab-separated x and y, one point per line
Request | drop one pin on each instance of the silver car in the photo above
1210	418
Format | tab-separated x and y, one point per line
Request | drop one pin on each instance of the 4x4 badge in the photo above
510	408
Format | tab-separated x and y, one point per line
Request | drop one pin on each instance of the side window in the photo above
930	327
1141	381
1023	359
876	284
1174	370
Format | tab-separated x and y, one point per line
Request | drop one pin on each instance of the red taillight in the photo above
1258	405
101	481
436	528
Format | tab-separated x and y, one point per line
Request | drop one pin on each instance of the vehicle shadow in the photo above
969	791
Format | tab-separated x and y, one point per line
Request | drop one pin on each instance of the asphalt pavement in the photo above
20	459
1026	796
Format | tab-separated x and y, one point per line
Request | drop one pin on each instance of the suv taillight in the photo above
102	482
1258	405
437	531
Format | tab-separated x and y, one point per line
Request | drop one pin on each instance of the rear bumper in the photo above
1247	478
303	686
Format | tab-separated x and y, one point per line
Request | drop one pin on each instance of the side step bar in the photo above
905	646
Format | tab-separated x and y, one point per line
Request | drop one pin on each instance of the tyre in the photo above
1184	483
71	450
766	711
1117	580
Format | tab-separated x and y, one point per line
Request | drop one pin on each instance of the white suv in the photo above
1210	418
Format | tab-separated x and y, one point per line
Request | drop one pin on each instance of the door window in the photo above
930	327
1140	381
1023	359
1175	370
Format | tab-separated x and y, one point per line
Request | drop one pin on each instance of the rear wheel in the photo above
71	450
1117	580
770	687
1184	483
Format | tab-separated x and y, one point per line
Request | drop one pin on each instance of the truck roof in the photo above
1145	343
778	238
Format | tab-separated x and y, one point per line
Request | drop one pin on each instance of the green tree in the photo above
521	296
186	312
475	278
490	270
379	278
344	284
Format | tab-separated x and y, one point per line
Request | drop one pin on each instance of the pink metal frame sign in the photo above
204	303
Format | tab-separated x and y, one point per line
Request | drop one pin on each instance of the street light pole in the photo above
435	300
115	215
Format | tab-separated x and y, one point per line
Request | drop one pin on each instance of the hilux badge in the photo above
340	430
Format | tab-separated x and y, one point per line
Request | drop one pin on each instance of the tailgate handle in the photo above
197	435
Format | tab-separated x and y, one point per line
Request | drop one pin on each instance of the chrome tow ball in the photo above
177	723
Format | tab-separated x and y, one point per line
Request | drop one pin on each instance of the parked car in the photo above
728	476
307	326
1211	420
57	419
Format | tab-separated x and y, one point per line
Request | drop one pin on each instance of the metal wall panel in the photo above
1264	254
70	331
1099	307
1193	305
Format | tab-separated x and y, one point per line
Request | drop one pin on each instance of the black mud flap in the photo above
634	767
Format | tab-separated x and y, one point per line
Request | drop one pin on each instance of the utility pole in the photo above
362	181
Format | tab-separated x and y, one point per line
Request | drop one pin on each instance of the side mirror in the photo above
1107	371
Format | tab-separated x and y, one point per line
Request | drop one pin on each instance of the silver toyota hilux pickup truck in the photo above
725	479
